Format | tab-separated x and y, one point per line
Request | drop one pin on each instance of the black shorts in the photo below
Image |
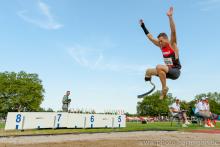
173	73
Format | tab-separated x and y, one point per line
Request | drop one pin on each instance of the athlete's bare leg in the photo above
162	70
150	72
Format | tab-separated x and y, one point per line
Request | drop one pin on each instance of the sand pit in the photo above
130	139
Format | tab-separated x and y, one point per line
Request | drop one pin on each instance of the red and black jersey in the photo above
169	57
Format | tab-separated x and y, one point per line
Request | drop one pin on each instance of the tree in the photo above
20	92
46	110
49	110
184	105
191	105
152	106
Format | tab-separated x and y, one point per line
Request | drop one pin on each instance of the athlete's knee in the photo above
159	68
150	72
162	68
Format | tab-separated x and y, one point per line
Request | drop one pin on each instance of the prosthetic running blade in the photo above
145	94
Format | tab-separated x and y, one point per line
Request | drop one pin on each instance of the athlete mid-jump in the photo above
170	52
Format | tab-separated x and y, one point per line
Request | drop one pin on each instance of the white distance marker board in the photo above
39	120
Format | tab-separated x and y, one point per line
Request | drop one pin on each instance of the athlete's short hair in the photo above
162	35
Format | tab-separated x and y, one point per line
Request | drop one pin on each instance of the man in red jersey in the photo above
170	52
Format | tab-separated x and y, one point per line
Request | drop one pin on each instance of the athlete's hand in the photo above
141	21
170	11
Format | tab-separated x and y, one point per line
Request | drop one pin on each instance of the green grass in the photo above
131	126
2	125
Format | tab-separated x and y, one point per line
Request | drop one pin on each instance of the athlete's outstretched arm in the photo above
172	26
149	36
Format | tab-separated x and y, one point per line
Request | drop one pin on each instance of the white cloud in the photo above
86	57
46	20
94	59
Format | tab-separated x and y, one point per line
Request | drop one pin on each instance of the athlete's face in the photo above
163	41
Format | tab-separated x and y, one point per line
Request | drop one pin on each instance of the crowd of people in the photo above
201	110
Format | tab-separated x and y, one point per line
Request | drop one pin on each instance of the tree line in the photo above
152	106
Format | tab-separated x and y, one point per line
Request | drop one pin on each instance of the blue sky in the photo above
97	50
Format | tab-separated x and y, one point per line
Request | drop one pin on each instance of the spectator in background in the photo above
181	114
201	110
213	116
66	102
